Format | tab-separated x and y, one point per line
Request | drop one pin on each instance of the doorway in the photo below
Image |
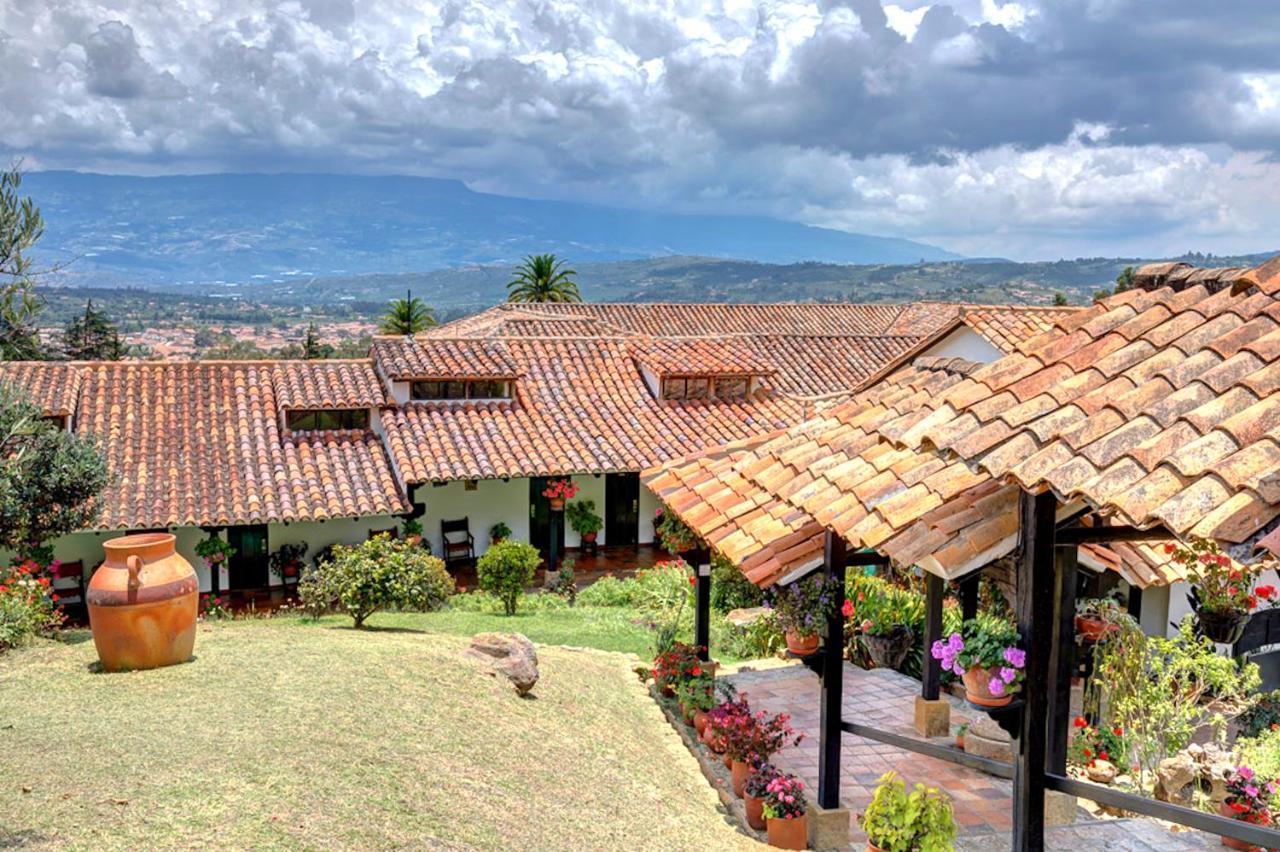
622	508
247	567
540	524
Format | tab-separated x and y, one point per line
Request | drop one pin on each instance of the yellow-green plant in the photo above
919	821
506	569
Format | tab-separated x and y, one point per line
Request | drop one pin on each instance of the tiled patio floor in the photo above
982	804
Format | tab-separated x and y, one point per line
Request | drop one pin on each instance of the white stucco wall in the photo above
318	535
966	343
493	500
648	505
87	548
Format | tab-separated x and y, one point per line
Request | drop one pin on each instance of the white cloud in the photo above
1027	127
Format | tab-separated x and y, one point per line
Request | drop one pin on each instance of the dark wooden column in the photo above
969	596
832	698
1035	599
700	560
1063	657
931	669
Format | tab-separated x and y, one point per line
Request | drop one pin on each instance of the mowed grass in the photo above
283	734
606	628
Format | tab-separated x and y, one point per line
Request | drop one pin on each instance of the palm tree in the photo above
542	278
407	316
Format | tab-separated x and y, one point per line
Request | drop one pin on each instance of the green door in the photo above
247	568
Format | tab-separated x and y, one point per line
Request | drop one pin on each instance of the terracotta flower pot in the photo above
801	646
699	722
755	812
871	847
686	713
589	538
1092	629
960	741
1230	842
557	503
789	833
977	691
728	762
142	604
739	772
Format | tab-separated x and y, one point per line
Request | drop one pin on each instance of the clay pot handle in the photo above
135	566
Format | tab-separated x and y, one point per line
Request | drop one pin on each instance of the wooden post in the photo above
832	699
931	669
1035	598
700	561
969	597
1063	658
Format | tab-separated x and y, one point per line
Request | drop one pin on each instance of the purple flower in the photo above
996	687
939	650
1245	772
1007	674
1015	657
958	670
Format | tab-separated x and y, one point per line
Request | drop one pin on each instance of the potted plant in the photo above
696	694
1096	617
722	719
898	821
214	551
1097	750
584	520
985	655
1249	799
499	532
786	813
802	609
755	792
675	535
960	732
672	666
286	563
885	614
1223	594
753	739
558	491
412	530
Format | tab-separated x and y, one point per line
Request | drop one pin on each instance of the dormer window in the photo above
317	420
705	387
434	390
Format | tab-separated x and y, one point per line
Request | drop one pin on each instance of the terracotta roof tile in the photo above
53	387
443	358
700	356
328	384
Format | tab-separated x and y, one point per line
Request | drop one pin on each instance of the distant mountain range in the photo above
249	228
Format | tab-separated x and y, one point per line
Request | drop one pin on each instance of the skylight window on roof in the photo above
447	390
318	420
704	387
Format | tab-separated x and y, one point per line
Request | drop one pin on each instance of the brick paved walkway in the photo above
982	804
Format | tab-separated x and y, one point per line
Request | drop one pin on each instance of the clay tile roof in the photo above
1179	276
55	388
328	384
701	356
1171	434
443	358
1009	326
582	407
199	443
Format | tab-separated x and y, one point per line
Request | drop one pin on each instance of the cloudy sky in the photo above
1030	129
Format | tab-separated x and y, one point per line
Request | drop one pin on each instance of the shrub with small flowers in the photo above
754	738
784	798
675	665
722	719
985	644
214	551
213	607
696	692
757	785
1092	743
28	604
1249	797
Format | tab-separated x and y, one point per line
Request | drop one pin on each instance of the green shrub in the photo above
506	569
582	517
760	638
488	603
664	588
1262	716
1262	753
919	821
609	591
731	590
378	574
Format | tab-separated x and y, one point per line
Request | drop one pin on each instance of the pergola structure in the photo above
1155	413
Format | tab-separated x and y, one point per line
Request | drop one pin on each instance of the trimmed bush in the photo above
506	570
27	606
730	589
609	591
381	573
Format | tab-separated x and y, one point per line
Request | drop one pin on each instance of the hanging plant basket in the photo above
888	651
1223	627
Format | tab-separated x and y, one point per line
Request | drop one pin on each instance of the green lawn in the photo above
606	628
290	735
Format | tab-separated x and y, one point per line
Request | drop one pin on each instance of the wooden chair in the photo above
68	585
458	543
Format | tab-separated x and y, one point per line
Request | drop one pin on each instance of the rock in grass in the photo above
508	654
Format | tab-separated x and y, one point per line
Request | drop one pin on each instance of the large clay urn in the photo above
142	604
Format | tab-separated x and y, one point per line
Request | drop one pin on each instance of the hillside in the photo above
248	228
